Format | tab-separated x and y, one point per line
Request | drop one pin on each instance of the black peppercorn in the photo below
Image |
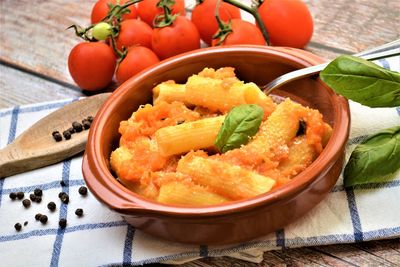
67	135
38	199
86	124
61	194
62	223
32	197
83	190
26	203
18	227
37	216
13	195
38	192
90	118
79	212
77	126
43	219
51	206
25	223
62	183
57	136
65	198
71	130
20	195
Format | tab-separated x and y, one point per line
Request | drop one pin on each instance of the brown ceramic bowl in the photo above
236	221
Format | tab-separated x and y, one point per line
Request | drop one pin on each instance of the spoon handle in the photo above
384	51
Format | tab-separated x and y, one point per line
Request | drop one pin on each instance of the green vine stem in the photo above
253	11
166	18
224	28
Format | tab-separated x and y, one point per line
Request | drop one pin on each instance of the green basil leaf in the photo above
241	123
363	81
377	156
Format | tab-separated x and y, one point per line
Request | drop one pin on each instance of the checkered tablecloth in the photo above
102	238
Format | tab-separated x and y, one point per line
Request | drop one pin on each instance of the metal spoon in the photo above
383	51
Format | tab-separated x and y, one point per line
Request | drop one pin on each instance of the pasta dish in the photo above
215	139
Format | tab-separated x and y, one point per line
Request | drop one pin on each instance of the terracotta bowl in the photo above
238	221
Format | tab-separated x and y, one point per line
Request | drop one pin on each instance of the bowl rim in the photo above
99	178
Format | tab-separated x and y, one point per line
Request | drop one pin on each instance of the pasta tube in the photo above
169	92
188	194
223	178
174	140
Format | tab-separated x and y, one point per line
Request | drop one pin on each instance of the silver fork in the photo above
383	51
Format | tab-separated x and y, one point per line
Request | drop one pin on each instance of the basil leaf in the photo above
363	81
377	156
241	123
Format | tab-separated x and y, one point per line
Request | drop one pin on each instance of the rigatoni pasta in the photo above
167	150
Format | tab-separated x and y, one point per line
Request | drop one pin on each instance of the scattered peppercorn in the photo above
37	216
79	212
71	130
62	223
61	194
90	118
65	198
13	195
25	223
38	199
32	197
20	195
38	192
57	136
43	219
26	202
51	206
67	135
83	190
18	227
62	183
86	124
77	126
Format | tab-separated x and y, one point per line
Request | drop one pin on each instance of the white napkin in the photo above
100	237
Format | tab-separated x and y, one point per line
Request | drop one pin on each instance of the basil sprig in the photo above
241	123
363	81
377	156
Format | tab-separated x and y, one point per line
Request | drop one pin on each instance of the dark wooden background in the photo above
34	47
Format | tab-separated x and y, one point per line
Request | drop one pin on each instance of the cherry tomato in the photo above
243	32
203	16
148	10
134	32
288	22
100	10
101	31
181	36
137	59
91	65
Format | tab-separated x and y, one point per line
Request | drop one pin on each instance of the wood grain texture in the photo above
21	88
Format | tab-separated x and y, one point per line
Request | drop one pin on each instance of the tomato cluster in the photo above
127	36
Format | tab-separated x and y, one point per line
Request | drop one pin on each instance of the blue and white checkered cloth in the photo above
100	237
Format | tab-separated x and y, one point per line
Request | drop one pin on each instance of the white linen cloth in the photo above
102	238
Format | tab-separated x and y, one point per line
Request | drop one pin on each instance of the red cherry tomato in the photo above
134	32
203	16
288	22
243	32
137	59
181	36
91	65
100	10
148	10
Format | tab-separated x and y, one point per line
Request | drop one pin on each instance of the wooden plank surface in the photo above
34	46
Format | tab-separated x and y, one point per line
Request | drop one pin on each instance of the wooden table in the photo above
33	68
